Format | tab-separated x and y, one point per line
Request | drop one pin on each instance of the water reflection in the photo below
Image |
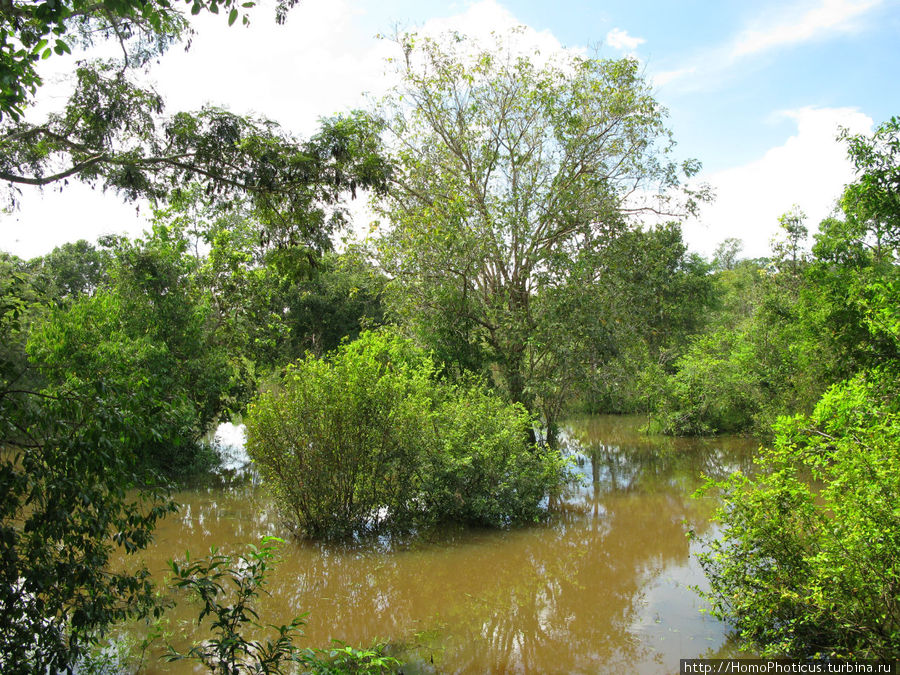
601	587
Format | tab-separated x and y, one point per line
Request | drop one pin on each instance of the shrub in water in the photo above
479	469
808	561
369	435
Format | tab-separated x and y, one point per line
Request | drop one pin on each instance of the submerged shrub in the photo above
369	436
479	469
808	562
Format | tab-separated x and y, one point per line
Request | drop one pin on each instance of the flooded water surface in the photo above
602	586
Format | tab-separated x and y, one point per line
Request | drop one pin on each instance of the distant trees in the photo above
726	254
652	296
790	326
758	356
514	173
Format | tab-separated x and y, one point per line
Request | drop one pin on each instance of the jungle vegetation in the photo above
514	281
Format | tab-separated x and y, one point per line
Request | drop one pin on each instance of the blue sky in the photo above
755	90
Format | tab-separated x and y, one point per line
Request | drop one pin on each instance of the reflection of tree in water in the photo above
619	454
561	597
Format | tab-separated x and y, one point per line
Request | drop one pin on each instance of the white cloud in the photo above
486	22
809	169
46	220
620	39
797	26
318	63
792	25
660	79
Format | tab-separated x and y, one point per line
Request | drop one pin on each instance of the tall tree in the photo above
512	171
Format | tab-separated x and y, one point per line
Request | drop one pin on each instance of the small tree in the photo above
787	246
726	254
231	607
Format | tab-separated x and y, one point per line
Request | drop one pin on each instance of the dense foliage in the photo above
808	562
147	336
66	474
790	326
653	296
369	435
68	511
116	359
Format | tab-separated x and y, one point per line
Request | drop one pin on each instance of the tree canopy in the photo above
114	131
32	31
513	171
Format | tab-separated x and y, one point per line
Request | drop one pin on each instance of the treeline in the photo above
739	342
771	335
180	325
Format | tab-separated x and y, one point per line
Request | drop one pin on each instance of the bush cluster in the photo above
807	564
369	436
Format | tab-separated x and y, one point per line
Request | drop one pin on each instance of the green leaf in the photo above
232	16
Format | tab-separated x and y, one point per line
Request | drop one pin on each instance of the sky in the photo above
756	91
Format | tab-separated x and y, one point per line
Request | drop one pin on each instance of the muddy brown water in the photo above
604	586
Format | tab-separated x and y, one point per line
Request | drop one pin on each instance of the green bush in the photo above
715	388
340	439
478	469
809	559
369	436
